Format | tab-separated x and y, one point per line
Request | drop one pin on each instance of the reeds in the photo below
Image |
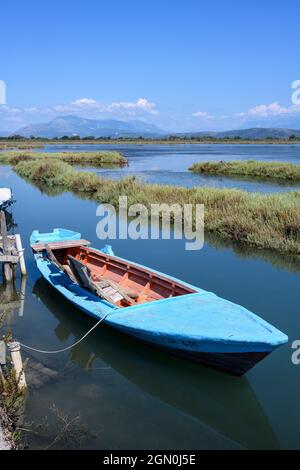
250	168
96	159
269	221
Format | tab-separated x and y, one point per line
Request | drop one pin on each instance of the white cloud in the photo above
260	115
141	104
202	114
31	110
6	109
273	109
83	107
85	102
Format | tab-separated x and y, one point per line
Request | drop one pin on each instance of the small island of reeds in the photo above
251	169
95	159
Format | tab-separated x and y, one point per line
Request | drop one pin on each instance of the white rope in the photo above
69	347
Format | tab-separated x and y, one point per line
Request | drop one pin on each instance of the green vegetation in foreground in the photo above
265	221
97	159
250	168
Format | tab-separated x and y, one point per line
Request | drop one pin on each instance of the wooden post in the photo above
20	253
7	271
15	348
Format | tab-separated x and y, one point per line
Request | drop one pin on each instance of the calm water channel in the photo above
128	395
168	164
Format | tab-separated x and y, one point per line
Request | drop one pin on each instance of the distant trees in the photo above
193	138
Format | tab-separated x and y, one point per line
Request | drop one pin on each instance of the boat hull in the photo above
200	327
232	363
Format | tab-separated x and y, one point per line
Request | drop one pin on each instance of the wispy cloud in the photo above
273	109
259	115
141	105
262	115
202	115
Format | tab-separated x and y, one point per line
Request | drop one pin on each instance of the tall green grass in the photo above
97	159
264	221
250	168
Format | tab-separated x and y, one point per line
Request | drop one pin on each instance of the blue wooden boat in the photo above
152	307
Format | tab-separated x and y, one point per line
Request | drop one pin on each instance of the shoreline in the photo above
41	143
263	221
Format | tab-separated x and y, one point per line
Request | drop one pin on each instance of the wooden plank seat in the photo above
60	245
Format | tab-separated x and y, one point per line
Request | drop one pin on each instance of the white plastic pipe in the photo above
20	253
15	351
23	293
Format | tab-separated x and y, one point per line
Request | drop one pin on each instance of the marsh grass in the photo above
269	221
20	145
250	168
96	159
12	401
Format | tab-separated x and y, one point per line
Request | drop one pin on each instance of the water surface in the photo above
131	396
168	164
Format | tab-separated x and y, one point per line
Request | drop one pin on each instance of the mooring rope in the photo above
68	347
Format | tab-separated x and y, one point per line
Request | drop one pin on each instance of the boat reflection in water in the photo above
224	403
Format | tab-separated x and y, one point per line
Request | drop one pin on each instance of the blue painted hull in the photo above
199	326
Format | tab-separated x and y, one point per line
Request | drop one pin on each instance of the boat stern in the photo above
57	235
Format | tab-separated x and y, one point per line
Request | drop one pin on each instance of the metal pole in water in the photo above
20	253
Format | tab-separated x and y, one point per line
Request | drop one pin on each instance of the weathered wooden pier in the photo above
11	252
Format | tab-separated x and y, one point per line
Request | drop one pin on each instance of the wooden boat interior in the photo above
117	281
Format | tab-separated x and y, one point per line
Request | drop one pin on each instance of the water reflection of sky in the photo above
168	164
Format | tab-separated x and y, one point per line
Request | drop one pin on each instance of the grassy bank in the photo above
97	159
264	221
250	168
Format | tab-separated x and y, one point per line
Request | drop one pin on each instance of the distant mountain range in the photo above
75	125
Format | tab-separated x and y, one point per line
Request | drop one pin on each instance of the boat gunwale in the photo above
114	311
141	268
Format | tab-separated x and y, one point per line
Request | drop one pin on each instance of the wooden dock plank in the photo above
9	258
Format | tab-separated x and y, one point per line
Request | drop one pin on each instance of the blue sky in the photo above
183	65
